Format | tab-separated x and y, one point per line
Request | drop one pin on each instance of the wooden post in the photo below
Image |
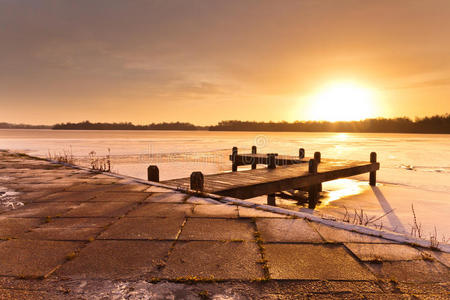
301	153
373	175
271	200
153	173
271	163
197	181
313	193
234	153
317	157
254	159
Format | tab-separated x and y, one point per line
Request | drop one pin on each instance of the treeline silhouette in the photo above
86	125
434	124
4	125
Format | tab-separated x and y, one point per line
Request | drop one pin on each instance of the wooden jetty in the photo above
283	173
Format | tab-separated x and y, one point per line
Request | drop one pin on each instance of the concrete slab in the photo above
214	260
287	230
414	271
68	197
162	210
41	210
202	201
219	211
174	197
443	257
247	212
28	258
77	222
129	187
100	209
89	187
214	229
117	260
121	196
157	189
334	235
144	228
62	234
313	262
383	252
11	227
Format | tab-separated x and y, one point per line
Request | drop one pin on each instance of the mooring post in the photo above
271	200
234	153
271	163
317	157
254	158
197	181
313	193
301	153
153	173
373	175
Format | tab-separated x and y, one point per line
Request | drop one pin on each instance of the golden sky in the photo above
207	61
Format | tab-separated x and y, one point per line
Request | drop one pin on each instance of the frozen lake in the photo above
415	168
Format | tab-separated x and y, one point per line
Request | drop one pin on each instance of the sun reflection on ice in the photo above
341	188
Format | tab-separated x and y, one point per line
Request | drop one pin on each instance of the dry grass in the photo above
101	164
66	156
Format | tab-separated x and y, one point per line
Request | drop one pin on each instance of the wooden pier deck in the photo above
283	173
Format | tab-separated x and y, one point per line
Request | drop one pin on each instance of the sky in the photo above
207	61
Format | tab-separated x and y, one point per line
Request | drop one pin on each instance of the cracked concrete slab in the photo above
384	252
109	196
217	229
313	262
62	234
287	230
335	235
214	260
219	211
100	209
30	258
162	210
173	197
144	228
10	227
117	260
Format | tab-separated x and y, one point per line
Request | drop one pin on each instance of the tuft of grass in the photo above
154	280
66	156
362	218
71	256
91	239
100	164
204	295
48	219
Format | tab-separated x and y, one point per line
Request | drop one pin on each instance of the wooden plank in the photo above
257	182
262	159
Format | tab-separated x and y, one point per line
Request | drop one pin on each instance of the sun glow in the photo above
342	102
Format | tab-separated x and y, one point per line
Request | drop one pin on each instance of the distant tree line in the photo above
434	124
86	125
4	125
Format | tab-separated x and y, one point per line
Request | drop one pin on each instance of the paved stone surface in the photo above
219	210
381	252
132	238
10	227
28	258
100	209
214	260
287	230
62	234
314	262
173	210
121	196
168	197
335	235
416	271
217	229
117	259
144	228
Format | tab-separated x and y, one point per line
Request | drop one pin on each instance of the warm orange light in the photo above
345	101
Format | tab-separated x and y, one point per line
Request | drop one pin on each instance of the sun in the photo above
343	101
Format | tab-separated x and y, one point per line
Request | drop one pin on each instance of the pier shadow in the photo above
392	217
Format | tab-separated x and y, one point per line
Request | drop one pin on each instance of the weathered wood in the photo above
254	183
373	175
271	164
312	168
313	196
250	159
271	199
301	153
254	163
197	181
153	173
317	156
234	153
